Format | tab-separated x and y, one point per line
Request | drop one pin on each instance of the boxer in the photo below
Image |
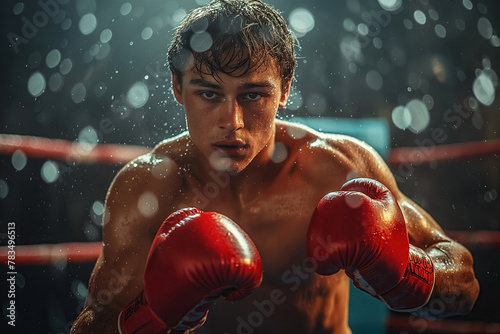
316	209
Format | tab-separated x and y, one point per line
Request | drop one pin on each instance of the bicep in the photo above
116	279
423	230
127	236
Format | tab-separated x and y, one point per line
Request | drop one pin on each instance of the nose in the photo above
231	116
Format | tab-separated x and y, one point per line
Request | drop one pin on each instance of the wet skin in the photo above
267	175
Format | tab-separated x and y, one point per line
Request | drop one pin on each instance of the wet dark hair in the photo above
232	37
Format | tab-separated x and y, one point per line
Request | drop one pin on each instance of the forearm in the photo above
455	287
97	321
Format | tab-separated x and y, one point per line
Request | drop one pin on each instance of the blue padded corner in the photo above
366	313
373	131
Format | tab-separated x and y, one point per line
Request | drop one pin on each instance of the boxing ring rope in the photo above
404	155
69	151
59	149
47	254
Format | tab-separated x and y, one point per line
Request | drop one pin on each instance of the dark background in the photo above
402	59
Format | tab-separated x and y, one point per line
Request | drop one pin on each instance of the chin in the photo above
227	165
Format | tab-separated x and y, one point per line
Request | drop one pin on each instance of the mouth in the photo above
231	149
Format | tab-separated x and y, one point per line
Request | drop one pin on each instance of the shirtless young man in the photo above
267	176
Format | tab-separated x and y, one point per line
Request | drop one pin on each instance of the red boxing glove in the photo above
361	229
196	257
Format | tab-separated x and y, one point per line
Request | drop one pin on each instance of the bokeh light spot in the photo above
87	23
66	66
4	189
36	84
301	21
138	95
19	160
440	30
485	28
401	117
420	117
18	8
484	89
56	82
467	4
104	50
98	208
49	172
125	9
148	204
53	58
428	101
419	17
78	92
146	33
179	15
66	24
280	153
88	138
390	5
106	35
201	42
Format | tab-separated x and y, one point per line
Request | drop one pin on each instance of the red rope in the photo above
45	254
58	149
398	156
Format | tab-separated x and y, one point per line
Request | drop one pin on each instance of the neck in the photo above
244	184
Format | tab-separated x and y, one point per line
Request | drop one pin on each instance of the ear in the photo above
285	93
177	88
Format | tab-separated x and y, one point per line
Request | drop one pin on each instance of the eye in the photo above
253	96
209	95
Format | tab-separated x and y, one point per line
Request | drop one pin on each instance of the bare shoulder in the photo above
161	164
327	154
145	190
328	145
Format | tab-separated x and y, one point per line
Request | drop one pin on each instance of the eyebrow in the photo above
248	85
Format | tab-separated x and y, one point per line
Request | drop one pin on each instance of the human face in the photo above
231	119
